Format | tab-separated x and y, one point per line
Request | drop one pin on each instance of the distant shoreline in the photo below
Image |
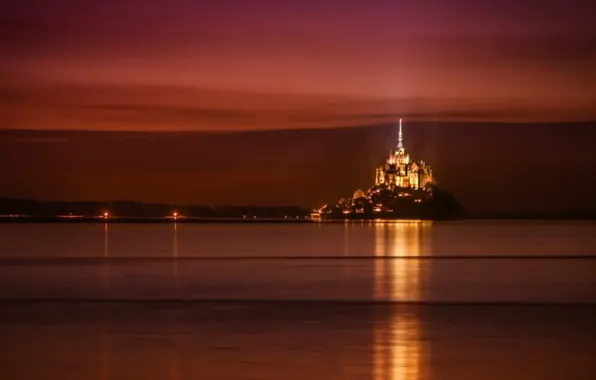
142	220
33	211
301	220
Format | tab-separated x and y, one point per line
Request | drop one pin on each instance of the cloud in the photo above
158	113
546	49
168	108
26	139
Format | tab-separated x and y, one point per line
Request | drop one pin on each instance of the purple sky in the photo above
114	65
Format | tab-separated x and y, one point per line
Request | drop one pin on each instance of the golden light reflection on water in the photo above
397	349
105	275
399	279
105	240
175	250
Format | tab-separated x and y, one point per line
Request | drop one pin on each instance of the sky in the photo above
268	64
239	66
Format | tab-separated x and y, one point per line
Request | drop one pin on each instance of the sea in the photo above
394	300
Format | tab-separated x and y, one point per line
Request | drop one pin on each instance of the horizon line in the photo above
298	129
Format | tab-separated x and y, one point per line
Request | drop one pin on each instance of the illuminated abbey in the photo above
403	188
401	171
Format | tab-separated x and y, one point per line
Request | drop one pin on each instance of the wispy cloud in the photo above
95	107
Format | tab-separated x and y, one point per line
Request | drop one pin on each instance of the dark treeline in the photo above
126	209
30	207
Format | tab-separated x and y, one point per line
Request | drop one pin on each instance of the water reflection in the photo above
175	250
399	279
346	242
105	240
106	265
398	353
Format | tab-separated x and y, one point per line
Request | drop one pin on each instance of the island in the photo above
404	188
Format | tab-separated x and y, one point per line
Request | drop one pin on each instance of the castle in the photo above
400	171
404	188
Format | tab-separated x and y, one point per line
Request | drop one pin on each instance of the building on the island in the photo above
400	184
359	194
401	171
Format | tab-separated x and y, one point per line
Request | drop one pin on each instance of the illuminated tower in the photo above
380	176
399	170
400	139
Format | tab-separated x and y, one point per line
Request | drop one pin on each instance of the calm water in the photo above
493	300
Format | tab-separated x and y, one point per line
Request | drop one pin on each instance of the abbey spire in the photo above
400	137
401	171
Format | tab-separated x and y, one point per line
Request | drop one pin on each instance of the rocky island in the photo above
404	189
